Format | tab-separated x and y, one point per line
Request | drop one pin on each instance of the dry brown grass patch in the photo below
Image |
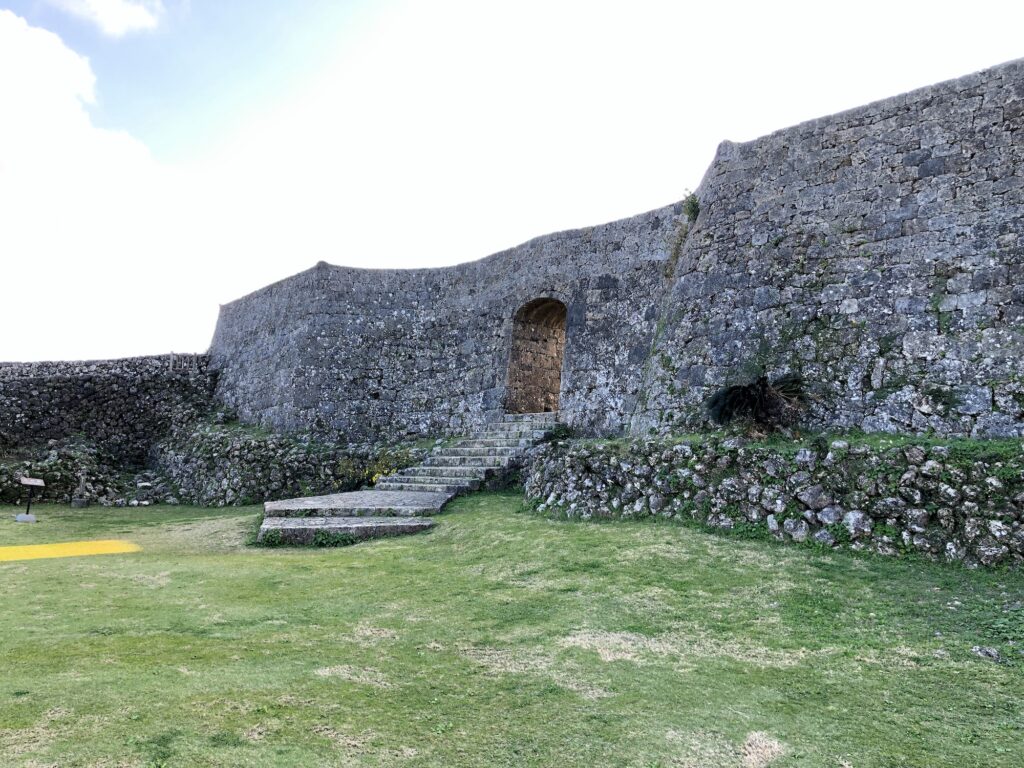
617	646
500	661
364	634
257	733
363	676
354	743
760	750
352	748
706	749
687	644
18	741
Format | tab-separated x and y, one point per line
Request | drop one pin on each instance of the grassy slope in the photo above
499	639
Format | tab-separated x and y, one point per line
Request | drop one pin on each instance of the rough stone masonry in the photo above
878	252
126	405
959	500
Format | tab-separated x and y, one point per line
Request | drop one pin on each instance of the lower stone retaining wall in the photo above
66	466
209	464
216	465
955	500
124	406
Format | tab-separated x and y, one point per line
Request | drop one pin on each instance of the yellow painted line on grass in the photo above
67	549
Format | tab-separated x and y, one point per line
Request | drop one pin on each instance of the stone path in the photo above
403	503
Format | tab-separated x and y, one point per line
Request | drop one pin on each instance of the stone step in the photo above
455	450
404	477
398	503
360	504
426	470
532	435
492	442
517	426
335	530
548	418
404	485
482	462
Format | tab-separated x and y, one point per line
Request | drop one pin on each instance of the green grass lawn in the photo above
499	639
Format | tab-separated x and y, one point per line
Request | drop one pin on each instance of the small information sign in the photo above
32	483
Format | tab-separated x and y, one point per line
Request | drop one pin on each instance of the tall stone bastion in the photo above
877	253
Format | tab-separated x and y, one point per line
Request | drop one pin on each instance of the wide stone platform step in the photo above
399	502
409	476
548	417
336	530
507	431
359	504
458	450
495	442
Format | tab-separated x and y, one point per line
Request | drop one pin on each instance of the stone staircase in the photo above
404	502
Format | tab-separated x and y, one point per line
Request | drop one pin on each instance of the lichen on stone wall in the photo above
71	469
209	462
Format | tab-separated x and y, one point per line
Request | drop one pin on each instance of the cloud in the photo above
115	17
91	232
107	252
429	138
104	250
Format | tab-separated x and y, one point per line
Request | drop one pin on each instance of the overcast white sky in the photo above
158	158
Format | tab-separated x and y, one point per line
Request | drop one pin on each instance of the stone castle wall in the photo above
421	352
147	430
124	405
879	252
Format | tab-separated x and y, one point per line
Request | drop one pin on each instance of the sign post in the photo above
32	483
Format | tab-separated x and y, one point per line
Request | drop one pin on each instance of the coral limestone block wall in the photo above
124	405
880	252
391	353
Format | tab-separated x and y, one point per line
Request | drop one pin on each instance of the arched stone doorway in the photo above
535	365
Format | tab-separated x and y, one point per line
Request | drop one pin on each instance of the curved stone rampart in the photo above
878	252
426	351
